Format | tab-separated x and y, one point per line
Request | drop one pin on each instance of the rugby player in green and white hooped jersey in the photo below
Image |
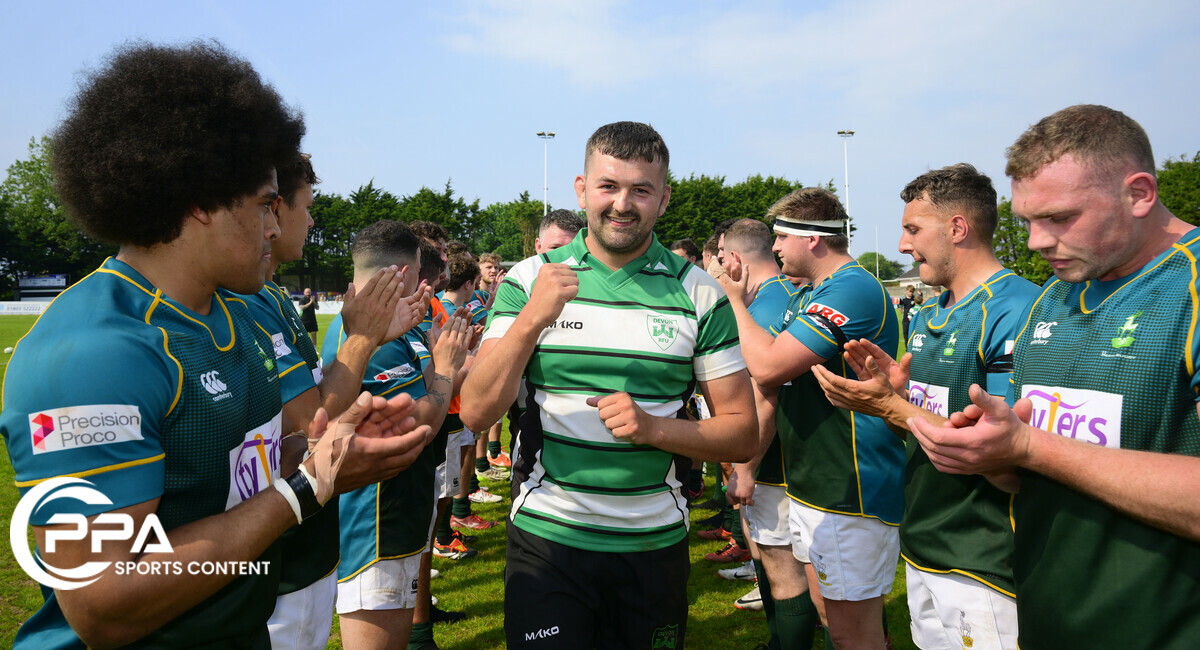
384	527
843	469
1103	443
613	333
198	446
956	537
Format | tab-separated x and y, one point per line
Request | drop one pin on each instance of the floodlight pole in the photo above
546	136
846	135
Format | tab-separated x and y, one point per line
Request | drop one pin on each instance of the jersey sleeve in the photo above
295	377
770	303
1005	316
840	309
718	350
395	368
93	408
511	297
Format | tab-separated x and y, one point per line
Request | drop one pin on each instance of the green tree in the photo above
1179	187
887	268
454	214
699	203
509	229
1010	244
38	237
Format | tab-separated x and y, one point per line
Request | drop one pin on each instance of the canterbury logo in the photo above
1042	329
211	383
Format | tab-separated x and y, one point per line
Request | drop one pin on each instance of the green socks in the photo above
493	448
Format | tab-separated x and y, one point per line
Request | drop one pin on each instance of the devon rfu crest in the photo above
663	329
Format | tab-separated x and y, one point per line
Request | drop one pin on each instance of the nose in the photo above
623	201
271	225
776	247
906	245
1039	236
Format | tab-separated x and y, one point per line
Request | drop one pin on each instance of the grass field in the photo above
475	585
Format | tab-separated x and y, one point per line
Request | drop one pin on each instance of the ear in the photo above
662	206
958	228
1143	193
580	186
200	215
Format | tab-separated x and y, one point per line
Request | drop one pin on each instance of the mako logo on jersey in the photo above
1087	415
836	317
930	397
73	427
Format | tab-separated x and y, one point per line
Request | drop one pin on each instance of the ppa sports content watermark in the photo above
118	528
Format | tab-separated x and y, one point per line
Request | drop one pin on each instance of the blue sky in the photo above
413	94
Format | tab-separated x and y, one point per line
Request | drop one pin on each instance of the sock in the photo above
729	514
886	636
481	465
828	639
422	633
474	486
696	480
796	622
735	527
460	507
764	588
443	530
494	448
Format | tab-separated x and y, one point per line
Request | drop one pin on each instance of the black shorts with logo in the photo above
557	596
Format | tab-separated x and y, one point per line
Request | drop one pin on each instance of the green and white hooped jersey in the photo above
768	307
1112	364
390	519
837	460
652	328
122	386
954	523
310	550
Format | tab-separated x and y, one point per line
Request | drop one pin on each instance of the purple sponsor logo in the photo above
1089	416
929	397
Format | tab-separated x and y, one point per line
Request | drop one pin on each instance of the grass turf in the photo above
475	586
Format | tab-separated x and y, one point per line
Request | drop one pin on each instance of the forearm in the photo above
727	437
1158	489
342	379
495	377
439	389
756	345
119	609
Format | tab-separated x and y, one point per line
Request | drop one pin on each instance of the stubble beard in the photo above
625	240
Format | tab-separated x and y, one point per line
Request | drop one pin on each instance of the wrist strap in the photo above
298	491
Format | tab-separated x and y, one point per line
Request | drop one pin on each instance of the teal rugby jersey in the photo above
147	399
768	306
390	519
837	460
1113	364
955	523
310	550
474	307
652	328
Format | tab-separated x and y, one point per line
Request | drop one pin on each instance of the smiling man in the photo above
612	333
1105	438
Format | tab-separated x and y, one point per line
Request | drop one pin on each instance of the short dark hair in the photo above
628	141
383	243
722	226
814	204
157	131
431	263
749	237
712	245
1097	136
961	189
688	247
456	247
294	174
463	269
565	219
429	230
